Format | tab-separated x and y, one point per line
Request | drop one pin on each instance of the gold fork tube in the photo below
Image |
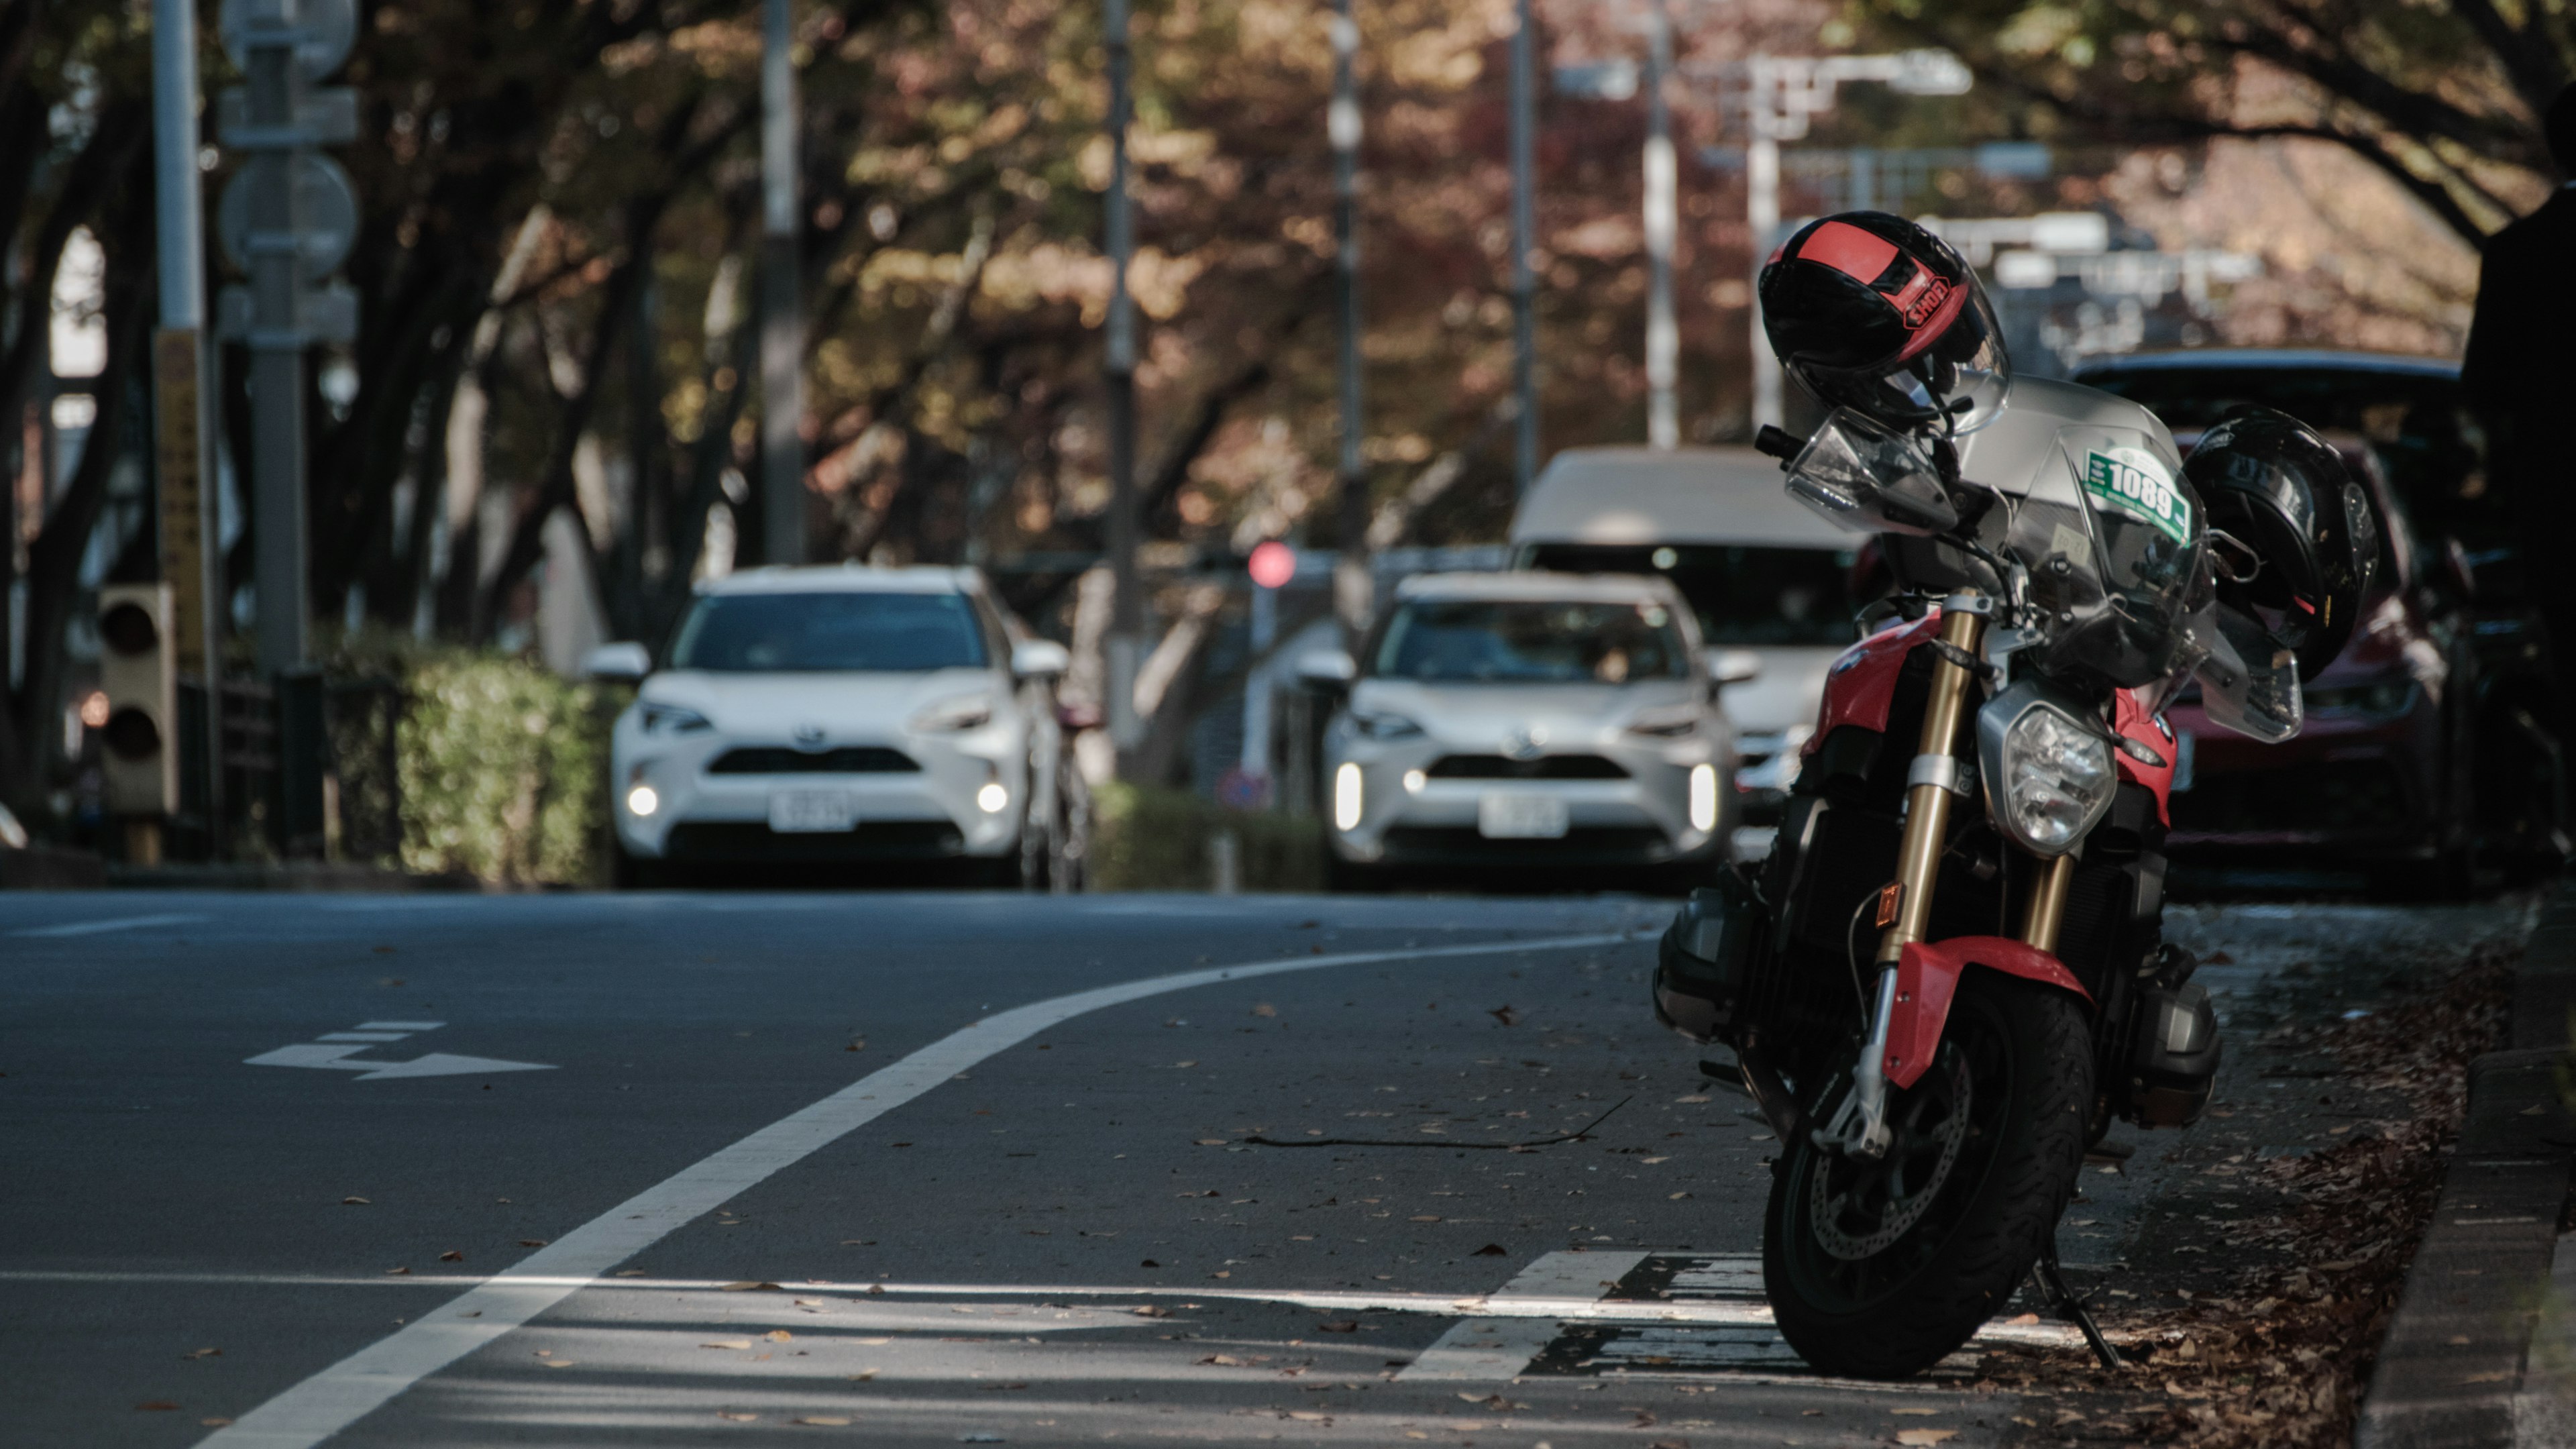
2047	909
1927	806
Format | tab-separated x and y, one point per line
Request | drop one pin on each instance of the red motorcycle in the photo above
1949	977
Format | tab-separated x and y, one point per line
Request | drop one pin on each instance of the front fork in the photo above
1905	905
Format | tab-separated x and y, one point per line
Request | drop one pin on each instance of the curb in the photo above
316	876
2451	1368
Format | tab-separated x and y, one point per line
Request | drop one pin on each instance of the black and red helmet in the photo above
1871	312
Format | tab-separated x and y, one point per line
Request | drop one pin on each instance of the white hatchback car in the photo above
831	716
1529	720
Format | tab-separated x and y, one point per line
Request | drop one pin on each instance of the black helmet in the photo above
2269	482
1871	312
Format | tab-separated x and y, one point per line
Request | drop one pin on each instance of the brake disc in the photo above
1850	1206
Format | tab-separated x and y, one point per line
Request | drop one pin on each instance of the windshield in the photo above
1745	597
2418	424
801	632
1522	641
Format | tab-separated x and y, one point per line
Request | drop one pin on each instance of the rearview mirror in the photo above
624	662
1734	666
1039	659
1327	671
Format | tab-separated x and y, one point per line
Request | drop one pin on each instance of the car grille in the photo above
1545	767
1583	845
846	760
753	840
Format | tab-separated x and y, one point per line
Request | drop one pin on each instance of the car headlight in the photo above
672	719
2386	699
948	716
1670	723
642	801
1703	797
2049	775
1346	797
1383	726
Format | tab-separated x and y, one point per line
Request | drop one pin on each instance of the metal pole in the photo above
1352	582
782	332
191	550
1663	341
1125	643
275	88
1762	217
1524	237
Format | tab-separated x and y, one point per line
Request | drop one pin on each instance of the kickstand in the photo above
2052	1283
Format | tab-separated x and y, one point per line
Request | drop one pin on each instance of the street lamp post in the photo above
1524	285
1663	339
1125	642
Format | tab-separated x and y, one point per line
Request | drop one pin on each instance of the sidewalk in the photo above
2481	1353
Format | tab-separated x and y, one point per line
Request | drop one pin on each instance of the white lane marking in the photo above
1477	1351
400	1025
337	1397
442	1064
362	1036
120	923
310	1054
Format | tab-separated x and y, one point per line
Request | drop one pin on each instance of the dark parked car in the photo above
2425	753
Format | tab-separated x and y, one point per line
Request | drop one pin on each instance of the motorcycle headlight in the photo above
2048	774
671	719
949	716
1383	726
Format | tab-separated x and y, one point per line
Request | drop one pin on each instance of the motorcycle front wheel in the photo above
1880	1269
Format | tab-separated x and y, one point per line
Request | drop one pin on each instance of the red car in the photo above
2423	756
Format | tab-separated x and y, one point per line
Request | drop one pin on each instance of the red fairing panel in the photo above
2135	723
1862	683
1927	976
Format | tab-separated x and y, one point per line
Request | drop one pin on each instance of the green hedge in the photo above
1148	839
503	763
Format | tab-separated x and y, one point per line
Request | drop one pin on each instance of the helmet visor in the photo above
1955	383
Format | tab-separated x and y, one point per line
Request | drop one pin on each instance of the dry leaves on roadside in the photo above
1926	1436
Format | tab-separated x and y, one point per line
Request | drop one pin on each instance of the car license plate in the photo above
811	812
1521	817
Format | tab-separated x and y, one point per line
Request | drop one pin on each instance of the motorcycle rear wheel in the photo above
1879	1270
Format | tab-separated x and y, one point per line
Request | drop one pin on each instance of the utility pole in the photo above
1352	584
1524	236
1663	340
1125	643
191	551
782	332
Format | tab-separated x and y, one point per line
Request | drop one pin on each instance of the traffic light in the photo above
137	670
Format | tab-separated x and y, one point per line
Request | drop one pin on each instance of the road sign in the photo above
329	206
327	30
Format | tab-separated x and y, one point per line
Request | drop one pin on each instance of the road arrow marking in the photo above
440	1064
336	1050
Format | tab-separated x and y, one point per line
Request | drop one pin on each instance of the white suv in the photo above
820	717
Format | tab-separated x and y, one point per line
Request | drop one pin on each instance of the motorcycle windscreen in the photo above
2249	683
2113	556
1869	478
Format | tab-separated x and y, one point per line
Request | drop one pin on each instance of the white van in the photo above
1761	572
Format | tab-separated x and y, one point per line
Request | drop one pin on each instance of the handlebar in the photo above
1779	443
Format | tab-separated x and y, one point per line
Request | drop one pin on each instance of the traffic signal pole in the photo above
191	548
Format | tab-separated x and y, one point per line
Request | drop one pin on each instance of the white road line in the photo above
1494	1344
93	928
337	1397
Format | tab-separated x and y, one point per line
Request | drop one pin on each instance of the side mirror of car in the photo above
1733	666
1039	659
625	662
1327	671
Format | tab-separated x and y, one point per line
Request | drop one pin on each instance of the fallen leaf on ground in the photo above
778	1335
727	1343
629	1273
1149	1310
1925	1436
203	1353
1265	1009
1424	1218
1491	1250
1925	1413
1226	1360
354	1202
737	1418
863	1375
749	1286
832	1421
532	1242
396	1272
1689	1101
214	1423
1505	1015
1345	1326
1651	1161
451	1256
561	1362
872	1341
156	1406
1210	1142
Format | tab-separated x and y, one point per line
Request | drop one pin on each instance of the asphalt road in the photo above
675	1169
